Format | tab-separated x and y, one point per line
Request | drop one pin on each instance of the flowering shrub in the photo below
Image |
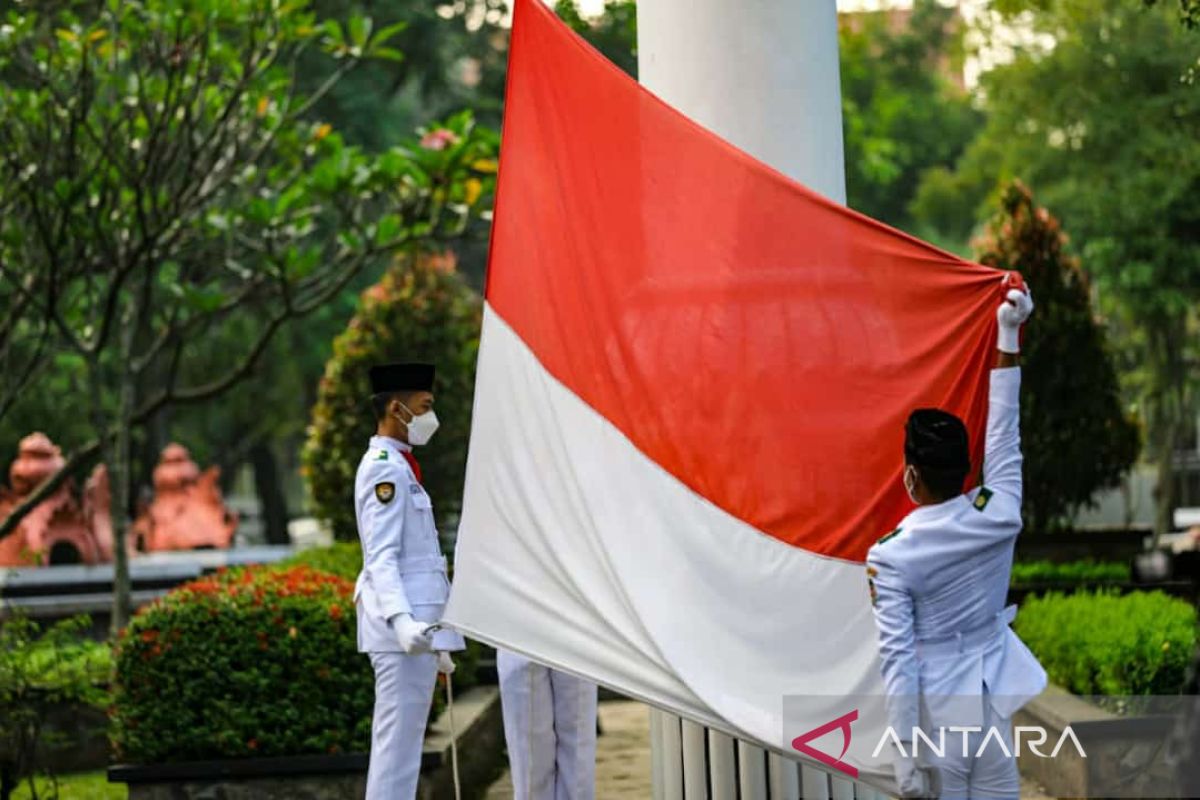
247	662
343	559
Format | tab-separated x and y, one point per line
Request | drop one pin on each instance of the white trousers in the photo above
550	729
986	771
403	694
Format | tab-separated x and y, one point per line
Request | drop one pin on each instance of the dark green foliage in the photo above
1104	644
41	669
453	57
902	112
613	33
253	662
1085	571
421	310
1074	433
1105	125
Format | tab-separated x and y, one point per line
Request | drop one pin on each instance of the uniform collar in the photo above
933	511
391	444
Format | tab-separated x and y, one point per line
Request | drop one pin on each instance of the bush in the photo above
1075	441
343	559
1105	644
1084	571
422	309
41	669
248	662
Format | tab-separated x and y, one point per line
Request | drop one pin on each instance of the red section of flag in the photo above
760	343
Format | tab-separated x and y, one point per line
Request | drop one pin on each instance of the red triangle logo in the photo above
800	743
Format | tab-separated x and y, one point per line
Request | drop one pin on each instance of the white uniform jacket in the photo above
939	584
404	570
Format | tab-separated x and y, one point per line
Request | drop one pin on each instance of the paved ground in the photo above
623	757
622	754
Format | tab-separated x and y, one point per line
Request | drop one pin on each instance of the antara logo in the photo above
800	743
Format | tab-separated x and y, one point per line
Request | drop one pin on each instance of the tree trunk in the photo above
271	500
121	481
1164	495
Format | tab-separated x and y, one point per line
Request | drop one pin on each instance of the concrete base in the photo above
480	737
1125	755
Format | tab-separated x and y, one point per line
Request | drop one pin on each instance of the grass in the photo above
77	786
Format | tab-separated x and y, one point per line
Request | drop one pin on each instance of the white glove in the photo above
915	780
411	634
445	663
1011	314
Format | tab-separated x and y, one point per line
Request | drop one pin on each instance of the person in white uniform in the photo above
939	584
403	587
550	730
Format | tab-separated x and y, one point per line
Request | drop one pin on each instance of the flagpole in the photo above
764	76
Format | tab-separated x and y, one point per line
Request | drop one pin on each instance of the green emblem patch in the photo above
382	455
981	501
891	535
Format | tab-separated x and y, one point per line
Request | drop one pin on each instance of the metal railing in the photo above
692	762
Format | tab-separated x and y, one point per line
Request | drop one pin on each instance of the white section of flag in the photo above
579	551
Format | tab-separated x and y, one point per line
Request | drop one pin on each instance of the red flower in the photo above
149	635
335	612
252	744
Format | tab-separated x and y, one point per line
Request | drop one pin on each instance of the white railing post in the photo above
722	767
752	771
695	760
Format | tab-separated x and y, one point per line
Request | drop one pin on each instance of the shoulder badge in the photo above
981	500
382	455
891	535
384	492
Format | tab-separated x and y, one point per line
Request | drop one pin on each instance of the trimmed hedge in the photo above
343	559
1084	571
1101	643
247	662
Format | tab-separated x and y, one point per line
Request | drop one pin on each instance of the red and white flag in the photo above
690	403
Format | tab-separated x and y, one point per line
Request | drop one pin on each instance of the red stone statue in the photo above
187	512
57	530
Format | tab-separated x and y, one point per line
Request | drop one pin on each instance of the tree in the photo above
1075	442
613	32
454	57
421	310
903	113
1102	127
162	180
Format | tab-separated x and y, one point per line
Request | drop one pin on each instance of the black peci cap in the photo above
401	378
936	439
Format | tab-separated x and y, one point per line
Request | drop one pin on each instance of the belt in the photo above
968	640
414	564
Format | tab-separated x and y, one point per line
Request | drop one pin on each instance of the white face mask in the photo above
421	427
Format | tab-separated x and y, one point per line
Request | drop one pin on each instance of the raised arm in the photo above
1002	449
